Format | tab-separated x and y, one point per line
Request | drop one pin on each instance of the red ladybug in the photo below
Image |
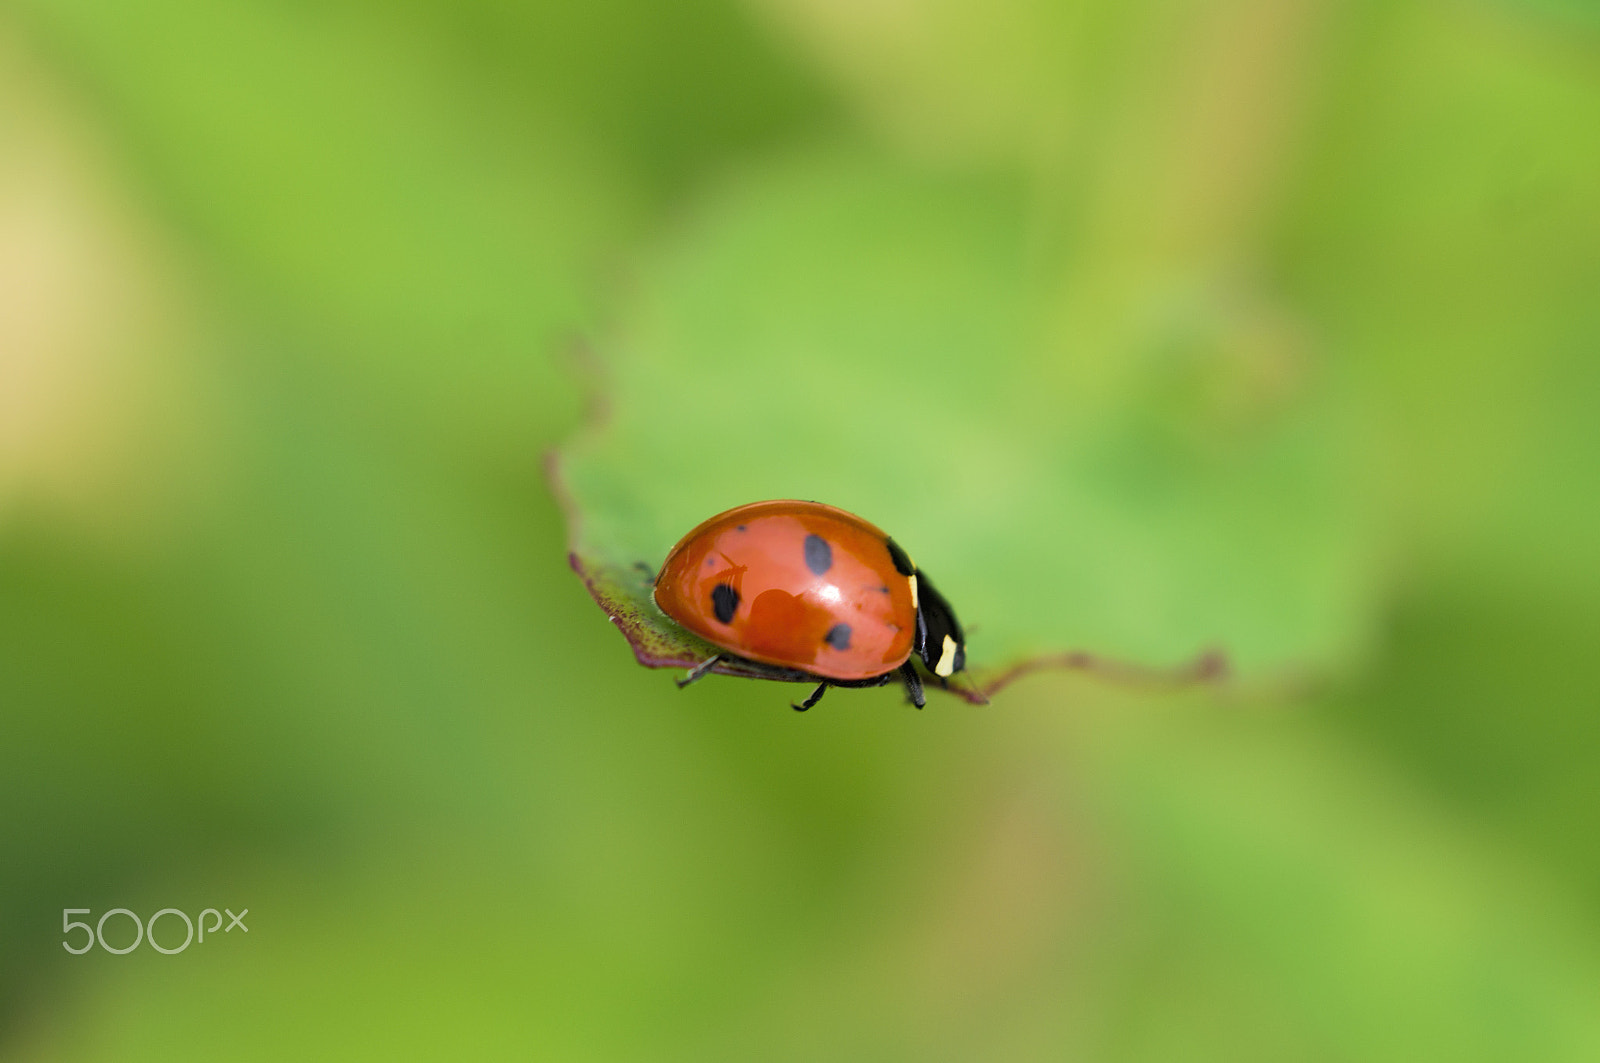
808	592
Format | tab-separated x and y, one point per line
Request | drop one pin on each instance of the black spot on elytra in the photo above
724	600
883	590
740	528
902	563
838	636
819	555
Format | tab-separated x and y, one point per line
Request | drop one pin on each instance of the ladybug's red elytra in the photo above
808	592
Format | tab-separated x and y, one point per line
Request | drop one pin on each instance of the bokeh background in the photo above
294	298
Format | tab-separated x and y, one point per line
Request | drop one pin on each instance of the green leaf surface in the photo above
886	341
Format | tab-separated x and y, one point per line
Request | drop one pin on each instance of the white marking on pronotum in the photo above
947	658
913	579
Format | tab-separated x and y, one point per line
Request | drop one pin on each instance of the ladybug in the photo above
805	592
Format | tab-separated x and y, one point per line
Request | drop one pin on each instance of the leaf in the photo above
879	339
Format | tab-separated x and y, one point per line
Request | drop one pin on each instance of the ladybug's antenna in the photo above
983	699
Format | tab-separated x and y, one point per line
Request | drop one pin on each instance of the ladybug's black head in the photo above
940	641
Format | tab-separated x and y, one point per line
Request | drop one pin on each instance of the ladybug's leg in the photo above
908	672
699	670
816	696
650	573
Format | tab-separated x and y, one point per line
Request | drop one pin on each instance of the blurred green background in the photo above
294	298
